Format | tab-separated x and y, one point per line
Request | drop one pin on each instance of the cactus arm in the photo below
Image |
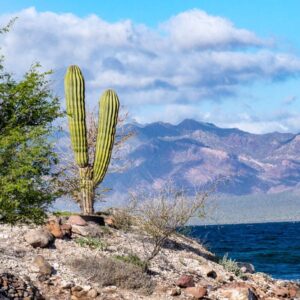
75	102
108	117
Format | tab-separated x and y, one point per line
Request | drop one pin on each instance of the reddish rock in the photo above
294	292
76	220
196	292
110	221
54	228
185	281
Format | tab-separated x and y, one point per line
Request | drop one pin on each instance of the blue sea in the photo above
273	248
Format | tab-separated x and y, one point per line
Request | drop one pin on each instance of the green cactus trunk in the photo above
74	90
87	191
108	118
90	175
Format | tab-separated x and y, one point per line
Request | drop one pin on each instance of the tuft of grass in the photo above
106	272
93	243
230	265
132	259
64	213
105	230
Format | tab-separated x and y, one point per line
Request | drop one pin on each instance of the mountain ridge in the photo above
193	154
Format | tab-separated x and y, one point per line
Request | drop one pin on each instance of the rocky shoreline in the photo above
69	258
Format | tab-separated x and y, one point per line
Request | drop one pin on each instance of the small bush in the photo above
105	230
132	259
230	265
123	219
106	272
162	213
64	213
93	243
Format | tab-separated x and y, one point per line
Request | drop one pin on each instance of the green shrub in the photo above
93	243
132	259
230	265
64	213
27	111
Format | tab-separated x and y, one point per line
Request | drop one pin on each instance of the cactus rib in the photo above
108	117
75	100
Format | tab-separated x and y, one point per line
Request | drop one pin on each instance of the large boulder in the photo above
76	220
39	238
91	230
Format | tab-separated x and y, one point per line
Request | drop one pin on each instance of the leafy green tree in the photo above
27	111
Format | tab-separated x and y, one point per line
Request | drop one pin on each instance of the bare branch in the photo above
68	182
162	213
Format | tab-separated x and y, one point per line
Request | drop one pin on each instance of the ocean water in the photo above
273	248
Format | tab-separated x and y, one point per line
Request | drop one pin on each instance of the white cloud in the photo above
197	56
195	28
262	123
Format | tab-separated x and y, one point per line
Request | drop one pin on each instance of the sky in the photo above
232	63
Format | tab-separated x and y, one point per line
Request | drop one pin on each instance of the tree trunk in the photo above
87	192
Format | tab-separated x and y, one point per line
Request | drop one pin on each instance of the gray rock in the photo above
246	267
92	230
44	267
92	293
38	238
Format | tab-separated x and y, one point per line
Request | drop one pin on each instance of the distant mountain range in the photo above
193	154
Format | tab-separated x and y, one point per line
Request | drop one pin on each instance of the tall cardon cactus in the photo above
91	173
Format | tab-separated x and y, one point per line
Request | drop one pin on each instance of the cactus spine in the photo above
90	174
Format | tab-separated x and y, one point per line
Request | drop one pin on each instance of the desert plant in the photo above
106	272
230	265
68	179
91	174
61	213
160	214
123	219
132	259
93	243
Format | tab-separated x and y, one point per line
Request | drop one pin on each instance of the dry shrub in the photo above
123	219
163	212
106	272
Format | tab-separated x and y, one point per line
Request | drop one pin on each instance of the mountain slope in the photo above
195	154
